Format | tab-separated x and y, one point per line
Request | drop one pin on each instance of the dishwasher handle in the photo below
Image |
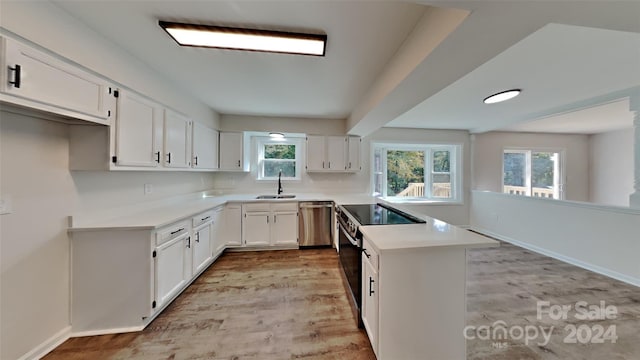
303	206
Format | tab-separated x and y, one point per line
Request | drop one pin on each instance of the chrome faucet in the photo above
280	183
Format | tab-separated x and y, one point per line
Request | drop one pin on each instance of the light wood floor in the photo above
247	305
292	304
505	284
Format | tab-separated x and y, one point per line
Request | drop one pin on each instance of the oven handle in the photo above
351	240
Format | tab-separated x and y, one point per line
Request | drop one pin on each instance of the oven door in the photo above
351	264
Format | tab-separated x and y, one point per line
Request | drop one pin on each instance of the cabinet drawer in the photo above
368	249
256	207
171	232
289	206
202	218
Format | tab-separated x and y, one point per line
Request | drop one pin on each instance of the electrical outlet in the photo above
148	189
5	205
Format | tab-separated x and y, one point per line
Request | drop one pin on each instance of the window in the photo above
279	155
417	172
532	173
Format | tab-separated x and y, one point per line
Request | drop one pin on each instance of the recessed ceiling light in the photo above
275	135
245	39
502	96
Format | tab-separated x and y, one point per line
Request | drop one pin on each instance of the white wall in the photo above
34	298
487	159
46	25
34	247
592	236
611	167
357	183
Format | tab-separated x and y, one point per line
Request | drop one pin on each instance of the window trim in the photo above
530	150
261	141
456	171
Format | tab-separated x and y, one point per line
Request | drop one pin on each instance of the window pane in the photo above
542	169
273	167
441	186
514	171
405	173
542	174
441	161
273	151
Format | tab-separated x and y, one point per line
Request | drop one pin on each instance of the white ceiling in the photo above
555	67
564	55
603	118
362	37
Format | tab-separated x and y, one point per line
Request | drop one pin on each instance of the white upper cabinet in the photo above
231	151
353	163
336	153
177	140
205	147
138	131
327	153
38	80
315	153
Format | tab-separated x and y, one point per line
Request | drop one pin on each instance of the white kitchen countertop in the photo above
165	212
434	233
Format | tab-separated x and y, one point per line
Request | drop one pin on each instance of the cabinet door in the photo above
177	135
231	154
217	234
47	80
284	230
354	154
256	228
336	153
201	247
205	147
138	131
370	303
233	225
171	268
316	153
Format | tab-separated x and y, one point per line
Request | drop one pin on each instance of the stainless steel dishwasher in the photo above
315	224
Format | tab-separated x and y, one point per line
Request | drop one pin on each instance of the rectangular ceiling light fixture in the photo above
245	39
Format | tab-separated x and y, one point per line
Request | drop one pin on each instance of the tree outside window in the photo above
415	171
274	157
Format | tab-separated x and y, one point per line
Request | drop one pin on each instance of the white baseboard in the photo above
588	266
107	331
51	343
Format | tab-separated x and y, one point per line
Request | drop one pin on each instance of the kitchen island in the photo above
413	289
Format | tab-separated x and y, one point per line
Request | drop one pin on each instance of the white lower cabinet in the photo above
284	230
413	301
370	293
233	225
202	253
217	232
256	228
270	224
172	271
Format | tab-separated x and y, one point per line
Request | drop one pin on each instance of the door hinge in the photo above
116	93
114	159
154	253
153	304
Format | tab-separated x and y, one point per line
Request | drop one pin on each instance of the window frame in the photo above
528	152
455	171
260	144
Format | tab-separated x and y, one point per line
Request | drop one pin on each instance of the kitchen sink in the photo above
262	197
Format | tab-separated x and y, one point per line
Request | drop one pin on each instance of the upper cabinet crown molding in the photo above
34	79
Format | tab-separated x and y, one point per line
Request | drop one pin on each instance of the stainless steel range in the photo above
350	218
